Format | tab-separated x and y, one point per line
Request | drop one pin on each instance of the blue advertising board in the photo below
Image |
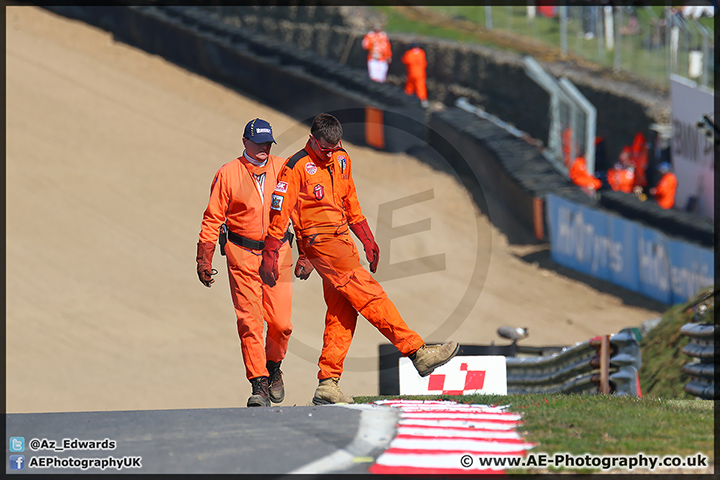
625	253
653	265
623	234
691	269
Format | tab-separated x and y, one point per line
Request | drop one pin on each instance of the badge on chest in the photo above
319	192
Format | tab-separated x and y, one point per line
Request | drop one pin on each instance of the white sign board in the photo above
692	151
463	375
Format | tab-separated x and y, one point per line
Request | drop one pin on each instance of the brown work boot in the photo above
277	387
329	392
260	396
428	357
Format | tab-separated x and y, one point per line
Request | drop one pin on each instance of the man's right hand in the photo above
204	257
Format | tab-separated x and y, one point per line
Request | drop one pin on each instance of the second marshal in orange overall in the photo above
317	192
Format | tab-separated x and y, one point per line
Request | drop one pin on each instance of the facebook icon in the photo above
17	462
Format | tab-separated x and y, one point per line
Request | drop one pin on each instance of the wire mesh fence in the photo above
649	42
572	120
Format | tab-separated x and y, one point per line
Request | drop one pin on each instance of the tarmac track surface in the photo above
110	153
275	440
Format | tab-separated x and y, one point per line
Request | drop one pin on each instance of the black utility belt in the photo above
335	230
246	242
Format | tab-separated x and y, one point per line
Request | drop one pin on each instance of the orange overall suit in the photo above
665	190
235	200
416	65
639	159
621	179
377	45
379	56
319	196
580	176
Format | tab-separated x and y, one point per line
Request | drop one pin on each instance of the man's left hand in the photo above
372	251
303	268
269	271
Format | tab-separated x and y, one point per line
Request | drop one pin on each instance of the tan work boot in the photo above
428	357
277	387
329	392
260	396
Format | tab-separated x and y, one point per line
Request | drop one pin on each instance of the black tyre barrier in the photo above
514	172
511	172
236	58
310	61
495	75
672	222
701	371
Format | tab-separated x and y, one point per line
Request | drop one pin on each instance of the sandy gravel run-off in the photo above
110	154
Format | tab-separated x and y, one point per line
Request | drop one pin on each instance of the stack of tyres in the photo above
672	222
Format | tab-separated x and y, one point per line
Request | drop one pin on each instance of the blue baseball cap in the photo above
259	131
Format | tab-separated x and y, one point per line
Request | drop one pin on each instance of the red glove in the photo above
303	267
205	252
372	251
269	266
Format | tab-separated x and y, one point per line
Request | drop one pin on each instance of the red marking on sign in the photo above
436	382
475	380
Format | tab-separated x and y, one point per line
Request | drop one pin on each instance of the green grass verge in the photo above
665	421
603	425
661	373
636	55
397	23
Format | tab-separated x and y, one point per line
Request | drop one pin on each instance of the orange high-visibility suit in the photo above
580	176
319	196
416	66
665	190
639	158
379	56
621	179
235	200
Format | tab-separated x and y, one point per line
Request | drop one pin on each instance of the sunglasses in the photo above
327	150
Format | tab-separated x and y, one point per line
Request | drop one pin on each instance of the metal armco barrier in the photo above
702	349
606	365
625	362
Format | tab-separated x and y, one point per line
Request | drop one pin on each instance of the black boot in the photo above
260	396
277	387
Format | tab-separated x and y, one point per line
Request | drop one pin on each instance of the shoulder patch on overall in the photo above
296	158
